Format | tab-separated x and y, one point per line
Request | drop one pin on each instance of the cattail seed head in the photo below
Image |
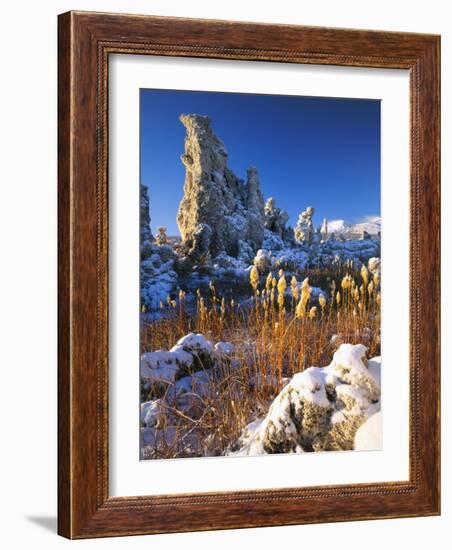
254	277
322	300
365	275
313	312
282	285
300	309
338	297
268	282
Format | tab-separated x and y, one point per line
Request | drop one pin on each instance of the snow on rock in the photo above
264	261
304	230
292	259
225	348
319	409
193	352
272	241
150	411
374	265
368	437
175	381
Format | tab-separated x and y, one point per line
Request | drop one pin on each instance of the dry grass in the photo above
282	330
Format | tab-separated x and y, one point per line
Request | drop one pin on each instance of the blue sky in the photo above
321	152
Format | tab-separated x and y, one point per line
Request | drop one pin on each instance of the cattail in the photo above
338	297
376	278
294	288
365	275
344	283
322	301
268	282
356	294
173	303
300	309
212	287
280	273
182	295
254	277
282	285
378	298
274	282
313	312
370	288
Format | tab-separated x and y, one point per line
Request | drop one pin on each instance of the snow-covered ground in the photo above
321	409
160	277
318	409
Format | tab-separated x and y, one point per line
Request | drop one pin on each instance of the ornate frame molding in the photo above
85	42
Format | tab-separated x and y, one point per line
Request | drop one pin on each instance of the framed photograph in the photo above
249	245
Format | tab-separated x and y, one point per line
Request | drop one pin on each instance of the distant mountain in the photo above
338	226
371	224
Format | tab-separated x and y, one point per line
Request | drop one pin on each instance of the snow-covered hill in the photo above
371	224
338	226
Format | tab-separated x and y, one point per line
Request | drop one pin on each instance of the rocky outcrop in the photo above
304	230
218	210
157	276
177	384
145	223
324	229
320	409
275	218
161	238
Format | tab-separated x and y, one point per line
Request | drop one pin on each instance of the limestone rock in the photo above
324	229
275	218
320	409
374	265
145	220
161	237
304	230
218	210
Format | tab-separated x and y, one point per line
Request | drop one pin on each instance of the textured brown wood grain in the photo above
85	42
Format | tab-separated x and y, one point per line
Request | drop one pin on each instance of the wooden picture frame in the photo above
85	42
